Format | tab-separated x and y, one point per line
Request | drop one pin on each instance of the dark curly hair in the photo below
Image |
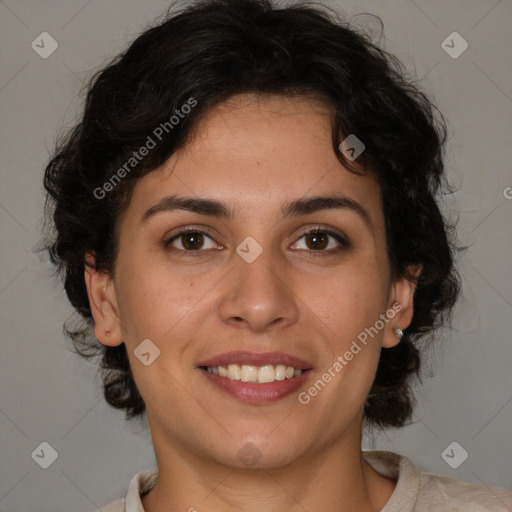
209	52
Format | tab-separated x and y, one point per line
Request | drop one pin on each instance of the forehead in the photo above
257	153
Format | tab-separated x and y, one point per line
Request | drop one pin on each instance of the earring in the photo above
108	333
399	333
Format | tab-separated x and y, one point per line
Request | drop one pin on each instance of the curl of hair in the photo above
217	49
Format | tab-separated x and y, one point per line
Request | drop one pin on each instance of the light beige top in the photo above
414	492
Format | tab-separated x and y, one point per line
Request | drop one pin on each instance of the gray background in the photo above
49	394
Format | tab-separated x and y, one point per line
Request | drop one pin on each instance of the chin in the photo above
259	453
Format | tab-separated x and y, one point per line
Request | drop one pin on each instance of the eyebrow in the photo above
302	206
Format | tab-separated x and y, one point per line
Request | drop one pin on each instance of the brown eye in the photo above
322	241
317	241
192	241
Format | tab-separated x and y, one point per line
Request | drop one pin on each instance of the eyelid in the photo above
188	229
339	236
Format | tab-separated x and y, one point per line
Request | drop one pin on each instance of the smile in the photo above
258	374
256	377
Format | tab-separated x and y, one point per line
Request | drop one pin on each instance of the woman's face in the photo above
247	277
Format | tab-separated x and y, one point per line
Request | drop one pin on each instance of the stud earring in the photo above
108	333
399	333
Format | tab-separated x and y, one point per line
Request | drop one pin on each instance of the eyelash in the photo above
341	239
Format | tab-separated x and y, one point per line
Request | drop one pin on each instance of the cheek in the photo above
159	301
350	300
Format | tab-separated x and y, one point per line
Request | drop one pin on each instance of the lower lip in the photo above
257	393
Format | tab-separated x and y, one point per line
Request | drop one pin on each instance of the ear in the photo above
400	306
103	302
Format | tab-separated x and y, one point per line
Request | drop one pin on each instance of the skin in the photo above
254	154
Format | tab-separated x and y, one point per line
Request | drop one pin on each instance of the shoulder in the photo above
417	491
139	485
115	506
444	493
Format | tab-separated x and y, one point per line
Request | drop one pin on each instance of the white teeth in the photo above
233	372
280	372
249	373
266	374
260	374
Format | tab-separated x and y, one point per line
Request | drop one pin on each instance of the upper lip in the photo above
242	357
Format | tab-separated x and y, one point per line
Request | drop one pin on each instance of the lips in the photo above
251	392
242	357
257	393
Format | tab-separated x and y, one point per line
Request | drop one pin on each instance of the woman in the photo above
246	220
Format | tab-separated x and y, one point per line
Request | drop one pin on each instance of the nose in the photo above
259	295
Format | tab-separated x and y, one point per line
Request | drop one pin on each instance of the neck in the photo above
333	478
